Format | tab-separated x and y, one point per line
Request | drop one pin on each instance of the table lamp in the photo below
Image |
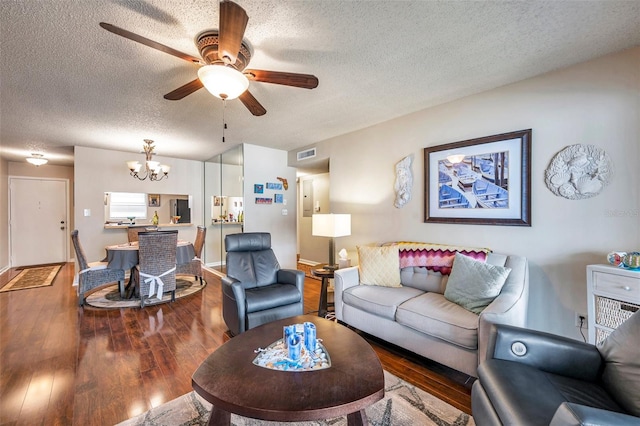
332	226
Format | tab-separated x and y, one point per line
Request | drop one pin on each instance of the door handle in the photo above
62	221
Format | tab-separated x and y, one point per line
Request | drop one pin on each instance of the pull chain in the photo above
224	123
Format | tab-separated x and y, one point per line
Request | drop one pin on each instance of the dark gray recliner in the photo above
256	291
536	378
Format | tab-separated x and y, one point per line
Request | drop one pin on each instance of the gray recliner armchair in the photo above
536	378
256	291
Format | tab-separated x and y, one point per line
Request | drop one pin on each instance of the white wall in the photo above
98	171
597	102
4	215
262	165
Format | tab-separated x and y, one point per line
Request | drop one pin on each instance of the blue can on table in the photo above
294	347
310	338
287	331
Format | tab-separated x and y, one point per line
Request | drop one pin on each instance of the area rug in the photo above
109	297
32	277
403	405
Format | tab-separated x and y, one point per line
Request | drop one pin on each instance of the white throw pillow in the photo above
379	266
473	284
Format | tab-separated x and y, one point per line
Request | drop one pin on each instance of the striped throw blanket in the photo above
436	257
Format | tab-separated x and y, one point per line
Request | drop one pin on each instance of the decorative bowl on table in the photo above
631	260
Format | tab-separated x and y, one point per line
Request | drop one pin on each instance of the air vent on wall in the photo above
306	154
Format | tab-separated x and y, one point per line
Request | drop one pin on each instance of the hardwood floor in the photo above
66	365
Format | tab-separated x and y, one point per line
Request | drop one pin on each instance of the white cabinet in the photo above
613	296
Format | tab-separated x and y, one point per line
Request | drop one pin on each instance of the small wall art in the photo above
274	186
263	200
278	198
258	188
154	200
404	181
578	172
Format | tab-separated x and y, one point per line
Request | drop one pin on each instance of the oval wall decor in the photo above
578	172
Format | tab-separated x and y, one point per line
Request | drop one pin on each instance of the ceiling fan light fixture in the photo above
37	160
223	82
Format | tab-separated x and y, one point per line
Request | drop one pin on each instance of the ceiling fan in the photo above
224	60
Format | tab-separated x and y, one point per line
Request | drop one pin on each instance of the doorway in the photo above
38	218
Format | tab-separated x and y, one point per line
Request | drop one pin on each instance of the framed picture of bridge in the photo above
483	181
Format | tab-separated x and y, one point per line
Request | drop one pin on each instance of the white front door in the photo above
38	221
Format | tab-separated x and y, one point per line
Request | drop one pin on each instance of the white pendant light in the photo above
223	82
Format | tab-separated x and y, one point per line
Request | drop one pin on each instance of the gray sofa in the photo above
417	316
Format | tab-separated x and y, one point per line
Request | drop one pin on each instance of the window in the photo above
124	205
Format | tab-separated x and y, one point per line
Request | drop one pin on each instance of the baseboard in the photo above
4	269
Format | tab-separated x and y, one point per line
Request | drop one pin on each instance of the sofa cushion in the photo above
473	284
379	266
423	279
380	301
432	314
522	394
621	375
267	297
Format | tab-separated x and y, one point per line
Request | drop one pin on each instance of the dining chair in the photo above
133	231
94	274
194	266
156	268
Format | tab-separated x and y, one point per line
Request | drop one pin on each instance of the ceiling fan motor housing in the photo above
207	42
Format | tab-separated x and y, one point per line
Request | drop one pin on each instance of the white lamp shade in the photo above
223	82
165	168
133	165
153	165
331	225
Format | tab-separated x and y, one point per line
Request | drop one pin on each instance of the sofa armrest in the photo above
510	307
293	277
547	352
342	280
570	414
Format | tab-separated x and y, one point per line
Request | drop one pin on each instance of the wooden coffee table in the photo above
230	381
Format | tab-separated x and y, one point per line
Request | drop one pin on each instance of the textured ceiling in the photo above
64	81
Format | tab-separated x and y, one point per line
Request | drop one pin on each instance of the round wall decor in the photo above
579	171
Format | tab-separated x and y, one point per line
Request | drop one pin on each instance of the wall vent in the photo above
306	154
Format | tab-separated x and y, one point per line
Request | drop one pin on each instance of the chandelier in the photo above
152	169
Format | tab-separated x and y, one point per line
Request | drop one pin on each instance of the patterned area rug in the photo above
32	277
403	405
109	297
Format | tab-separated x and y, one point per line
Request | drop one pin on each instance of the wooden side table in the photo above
325	274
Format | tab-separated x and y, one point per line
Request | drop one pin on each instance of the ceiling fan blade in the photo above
143	40
252	104
233	22
185	90
305	81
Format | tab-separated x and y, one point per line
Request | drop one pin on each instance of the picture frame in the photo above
258	188
154	200
482	181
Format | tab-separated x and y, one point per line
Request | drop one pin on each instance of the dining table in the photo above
125	256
